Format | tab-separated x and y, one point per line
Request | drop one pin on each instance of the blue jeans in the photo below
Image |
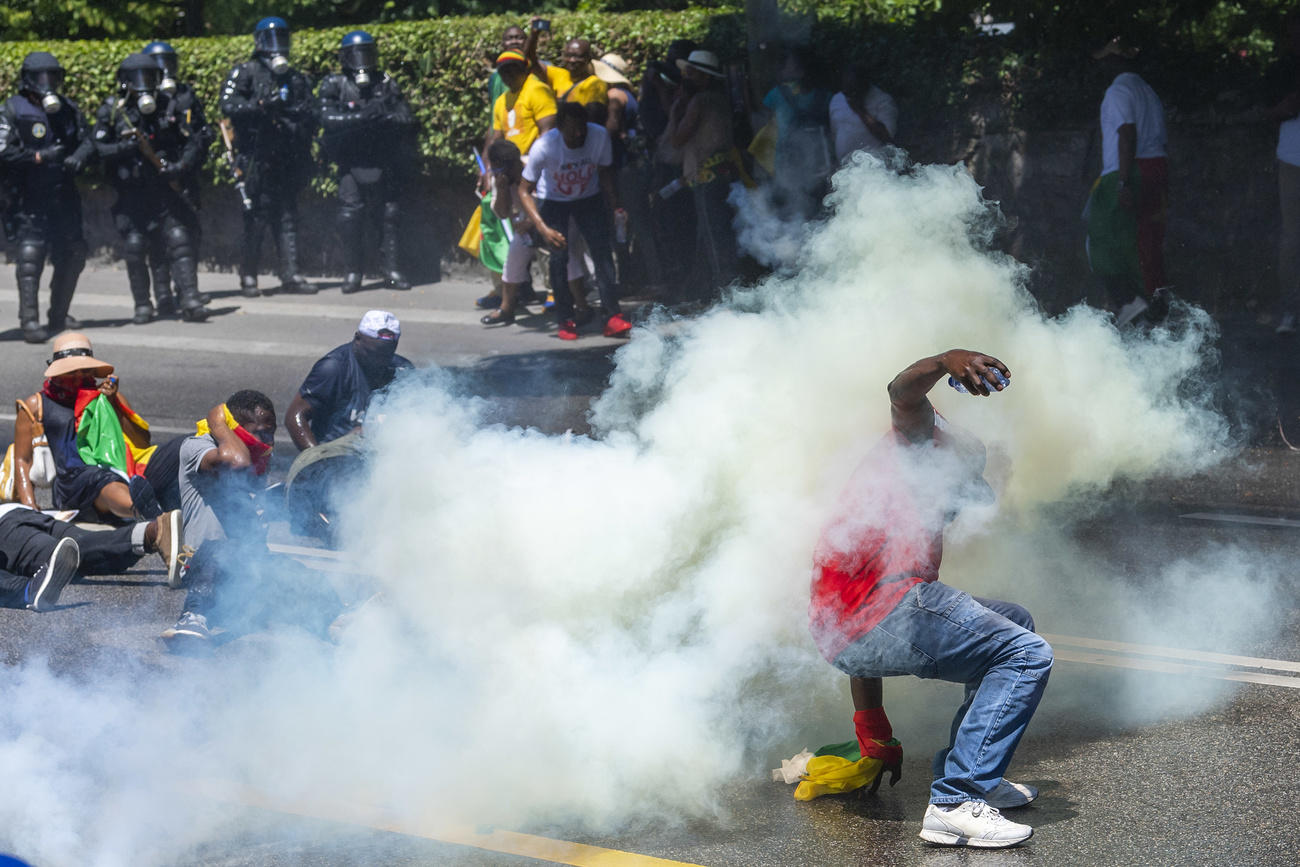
939	632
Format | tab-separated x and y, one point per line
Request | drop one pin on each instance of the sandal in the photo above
498	317
488	302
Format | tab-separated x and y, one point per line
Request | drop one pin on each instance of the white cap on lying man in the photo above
376	322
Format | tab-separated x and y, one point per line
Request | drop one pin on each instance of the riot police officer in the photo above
147	151
178	101
44	143
368	129
270	105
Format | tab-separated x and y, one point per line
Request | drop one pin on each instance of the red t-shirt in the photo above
886	537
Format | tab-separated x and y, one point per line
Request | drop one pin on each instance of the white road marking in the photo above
1116	661
1174	653
299	307
1149	657
1224	518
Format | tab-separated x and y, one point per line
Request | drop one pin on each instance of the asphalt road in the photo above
1213	787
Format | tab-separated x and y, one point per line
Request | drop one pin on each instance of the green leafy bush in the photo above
442	65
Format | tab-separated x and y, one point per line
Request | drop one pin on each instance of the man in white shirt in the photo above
1134	173
863	117
569	180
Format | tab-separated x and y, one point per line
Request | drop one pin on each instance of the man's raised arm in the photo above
913	416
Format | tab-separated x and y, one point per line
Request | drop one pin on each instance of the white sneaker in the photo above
1287	325
1008	795
972	823
1131	311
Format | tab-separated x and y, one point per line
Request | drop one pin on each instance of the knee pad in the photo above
134	247
180	243
350	217
31	258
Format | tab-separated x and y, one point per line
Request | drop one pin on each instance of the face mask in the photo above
362	78
168	86
146	103
279	64
51	103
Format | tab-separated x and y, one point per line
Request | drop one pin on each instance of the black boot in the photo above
352	233
388	249
68	263
161	271
290	278
185	273
251	254
31	260
137	277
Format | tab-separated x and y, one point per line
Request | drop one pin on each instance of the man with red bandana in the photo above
878	608
232	575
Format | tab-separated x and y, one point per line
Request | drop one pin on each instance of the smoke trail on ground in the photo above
601	631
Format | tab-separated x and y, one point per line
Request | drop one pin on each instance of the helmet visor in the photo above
141	79
273	40
168	64
363	55
43	81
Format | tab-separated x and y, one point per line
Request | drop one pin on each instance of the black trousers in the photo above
593	220
28	537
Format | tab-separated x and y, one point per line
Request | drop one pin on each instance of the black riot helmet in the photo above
139	73
358	50
271	36
41	74
164	56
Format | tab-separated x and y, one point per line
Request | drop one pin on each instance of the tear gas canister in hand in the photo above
992	386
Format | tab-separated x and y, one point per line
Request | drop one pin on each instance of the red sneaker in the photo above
568	330
617	326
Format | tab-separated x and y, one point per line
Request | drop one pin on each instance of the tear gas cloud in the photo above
596	631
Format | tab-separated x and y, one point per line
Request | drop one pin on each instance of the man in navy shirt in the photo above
325	417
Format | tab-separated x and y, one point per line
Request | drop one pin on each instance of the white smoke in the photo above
597	631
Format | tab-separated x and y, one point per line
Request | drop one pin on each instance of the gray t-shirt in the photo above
197	492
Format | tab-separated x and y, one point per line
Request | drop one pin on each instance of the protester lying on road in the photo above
233	578
40	555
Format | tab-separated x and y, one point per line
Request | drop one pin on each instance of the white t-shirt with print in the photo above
563	174
1129	99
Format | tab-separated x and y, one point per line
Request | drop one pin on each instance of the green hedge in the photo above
941	72
440	64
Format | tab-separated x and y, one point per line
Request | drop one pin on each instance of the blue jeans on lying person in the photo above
939	632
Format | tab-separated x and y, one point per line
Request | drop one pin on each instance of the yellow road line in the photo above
504	842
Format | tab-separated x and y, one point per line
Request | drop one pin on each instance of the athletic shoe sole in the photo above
61	569
173	553
945	838
172	632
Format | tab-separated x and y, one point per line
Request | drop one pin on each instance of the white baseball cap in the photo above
376	321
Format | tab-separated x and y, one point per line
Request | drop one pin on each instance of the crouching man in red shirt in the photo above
879	610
